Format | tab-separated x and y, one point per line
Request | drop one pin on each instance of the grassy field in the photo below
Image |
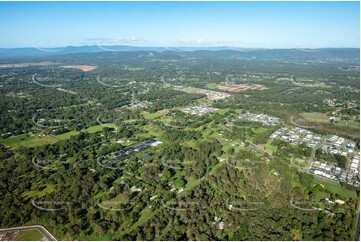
35	193
212	85
204	101
340	127
190	89
222	111
315	117
27	141
348	124
95	237
340	190
152	115
190	143
268	147
36	140
91	129
150	129
320	195
115	202
192	183
259	130
335	189
146	214
321	118
29	235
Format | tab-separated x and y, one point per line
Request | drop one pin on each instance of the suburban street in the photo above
310	162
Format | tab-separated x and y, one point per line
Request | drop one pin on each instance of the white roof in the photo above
156	143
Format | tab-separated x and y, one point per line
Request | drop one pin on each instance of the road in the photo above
342	133
43	85
301	126
56	86
39	228
357	235
227	80
256	147
310	162
164	82
326	179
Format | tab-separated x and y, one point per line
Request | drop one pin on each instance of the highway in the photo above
39	228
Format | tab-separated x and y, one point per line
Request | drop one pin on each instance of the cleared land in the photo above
320	121
81	67
29	235
315	117
241	88
33	141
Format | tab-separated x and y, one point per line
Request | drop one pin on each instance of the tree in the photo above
342	160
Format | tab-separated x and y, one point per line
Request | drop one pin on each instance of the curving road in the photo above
39	228
343	133
301	126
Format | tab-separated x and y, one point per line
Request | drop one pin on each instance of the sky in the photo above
238	24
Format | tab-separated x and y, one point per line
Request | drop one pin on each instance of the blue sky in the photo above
241	24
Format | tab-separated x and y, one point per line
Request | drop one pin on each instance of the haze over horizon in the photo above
181	24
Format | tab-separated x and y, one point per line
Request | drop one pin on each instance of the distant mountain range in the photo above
352	54
38	51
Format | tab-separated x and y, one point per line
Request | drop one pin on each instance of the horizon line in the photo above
178	46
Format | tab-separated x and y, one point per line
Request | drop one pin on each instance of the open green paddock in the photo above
26	140
29	235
